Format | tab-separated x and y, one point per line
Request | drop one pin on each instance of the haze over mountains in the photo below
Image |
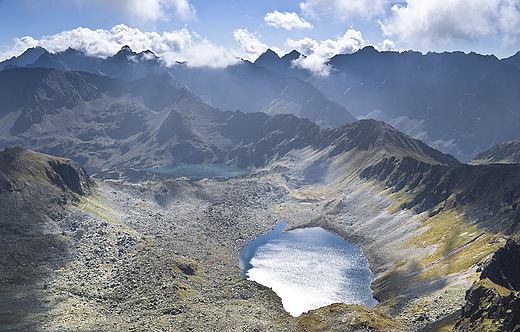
459	103
134	248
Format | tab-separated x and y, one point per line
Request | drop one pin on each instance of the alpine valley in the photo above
90	241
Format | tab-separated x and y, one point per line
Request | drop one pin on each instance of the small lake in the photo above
308	268
210	171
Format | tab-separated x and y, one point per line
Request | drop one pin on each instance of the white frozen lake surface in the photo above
308	268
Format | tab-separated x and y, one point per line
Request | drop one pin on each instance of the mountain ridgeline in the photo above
244	86
104	122
459	103
127	249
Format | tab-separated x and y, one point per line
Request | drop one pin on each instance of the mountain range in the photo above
458	103
244	86
136	248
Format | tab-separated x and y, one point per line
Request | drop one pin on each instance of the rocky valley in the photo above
128	249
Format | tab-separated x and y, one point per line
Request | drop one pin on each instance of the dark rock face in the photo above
70	175
493	303
489	307
45	183
496	185
504	268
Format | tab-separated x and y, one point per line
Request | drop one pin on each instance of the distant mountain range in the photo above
428	223
458	103
244	86
105	122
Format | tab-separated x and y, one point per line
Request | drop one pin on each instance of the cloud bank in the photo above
317	53
250	44
286	20
439	22
181	45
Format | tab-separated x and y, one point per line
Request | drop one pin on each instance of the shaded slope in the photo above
103	122
250	88
459	103
35	191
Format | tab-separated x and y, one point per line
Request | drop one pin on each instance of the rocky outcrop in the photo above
342	317
489	307
504	267
493	303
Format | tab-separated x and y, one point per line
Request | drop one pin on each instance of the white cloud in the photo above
181	45
151	10
317	53
387	45
342	9
286	20
205	54
250	43
438	22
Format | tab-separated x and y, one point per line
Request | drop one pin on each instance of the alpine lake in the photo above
307	268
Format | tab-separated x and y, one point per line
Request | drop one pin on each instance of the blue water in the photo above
210	171
308	268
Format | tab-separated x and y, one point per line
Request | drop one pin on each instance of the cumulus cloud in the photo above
151	10
342	9
251	46
439	22
318	53
387	45
286	20
181	45
206	54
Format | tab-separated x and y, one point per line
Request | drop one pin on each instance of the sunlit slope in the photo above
427	224
503	153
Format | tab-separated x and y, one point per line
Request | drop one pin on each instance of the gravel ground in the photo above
162	255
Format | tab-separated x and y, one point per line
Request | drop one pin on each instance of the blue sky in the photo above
216	33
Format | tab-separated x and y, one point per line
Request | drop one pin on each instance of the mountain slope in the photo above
95	120
244	87
427	223
250	88
458	103
104	122
505	153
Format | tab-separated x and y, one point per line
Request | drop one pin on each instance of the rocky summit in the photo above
128	249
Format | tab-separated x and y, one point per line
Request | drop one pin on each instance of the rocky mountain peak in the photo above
268	55
29	56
